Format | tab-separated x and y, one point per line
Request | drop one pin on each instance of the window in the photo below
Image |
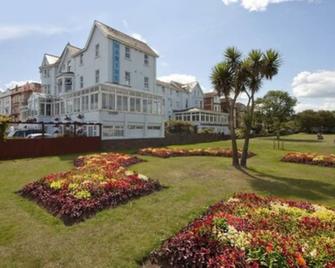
68	69
146	59
94	101
97	50
127	78
138	105
60	85
81	81
97	76
81	59
132	104
113	131
68	84
108	101
62	108
122	103
56	111
76	105
135	104
48	109
145	105
157	127
84	103
69	106
146	83
127	53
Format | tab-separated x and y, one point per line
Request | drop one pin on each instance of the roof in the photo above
211	94
51	59
127	40
172	84
72	49
195	109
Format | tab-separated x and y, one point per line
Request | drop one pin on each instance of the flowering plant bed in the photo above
174	152
253	231
97	182
311	159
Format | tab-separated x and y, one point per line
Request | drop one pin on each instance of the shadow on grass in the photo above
295	140
284	186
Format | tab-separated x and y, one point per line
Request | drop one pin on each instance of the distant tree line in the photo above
316	121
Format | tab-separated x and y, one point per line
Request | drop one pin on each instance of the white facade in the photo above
112	81
179	96
5	103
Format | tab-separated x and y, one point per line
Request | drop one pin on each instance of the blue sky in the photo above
190	36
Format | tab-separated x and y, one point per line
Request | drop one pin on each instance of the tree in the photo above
316	121
277	107
260	66
229	80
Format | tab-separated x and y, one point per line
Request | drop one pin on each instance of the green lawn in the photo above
122	237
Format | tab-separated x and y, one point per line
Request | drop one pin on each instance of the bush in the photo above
4	120
179	127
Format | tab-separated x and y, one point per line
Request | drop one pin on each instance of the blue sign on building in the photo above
116	62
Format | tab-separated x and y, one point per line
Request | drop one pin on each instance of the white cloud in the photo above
181	78
320	84
139	37
259	5
8	32
324	104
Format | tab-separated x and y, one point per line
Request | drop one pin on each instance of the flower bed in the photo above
97	182
253	231
310	159
174	152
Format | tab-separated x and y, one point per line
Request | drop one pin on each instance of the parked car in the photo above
38	136
23	133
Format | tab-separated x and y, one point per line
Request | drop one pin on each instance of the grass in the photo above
122	237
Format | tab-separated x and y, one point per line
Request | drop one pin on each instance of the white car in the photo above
38	136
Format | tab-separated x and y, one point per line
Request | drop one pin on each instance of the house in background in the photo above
178	96
185	102
112	81
14	100
213	102
5	103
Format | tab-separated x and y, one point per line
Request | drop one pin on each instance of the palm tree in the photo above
260	66
228	79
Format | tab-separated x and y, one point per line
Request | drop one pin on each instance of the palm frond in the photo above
272	62
221	78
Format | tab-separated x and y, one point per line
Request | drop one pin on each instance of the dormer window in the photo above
127	53
97	50
146	59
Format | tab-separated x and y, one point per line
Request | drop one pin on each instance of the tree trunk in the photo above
245	152
235	159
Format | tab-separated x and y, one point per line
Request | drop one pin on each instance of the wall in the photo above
91	63
25	148
110	145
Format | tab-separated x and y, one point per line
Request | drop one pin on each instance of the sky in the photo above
189	35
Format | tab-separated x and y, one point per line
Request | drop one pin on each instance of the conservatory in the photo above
123	112
204	120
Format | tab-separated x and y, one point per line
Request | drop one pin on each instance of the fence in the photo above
70	138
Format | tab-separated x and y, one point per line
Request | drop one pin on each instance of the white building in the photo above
214	122
112	81
5	103
179	96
